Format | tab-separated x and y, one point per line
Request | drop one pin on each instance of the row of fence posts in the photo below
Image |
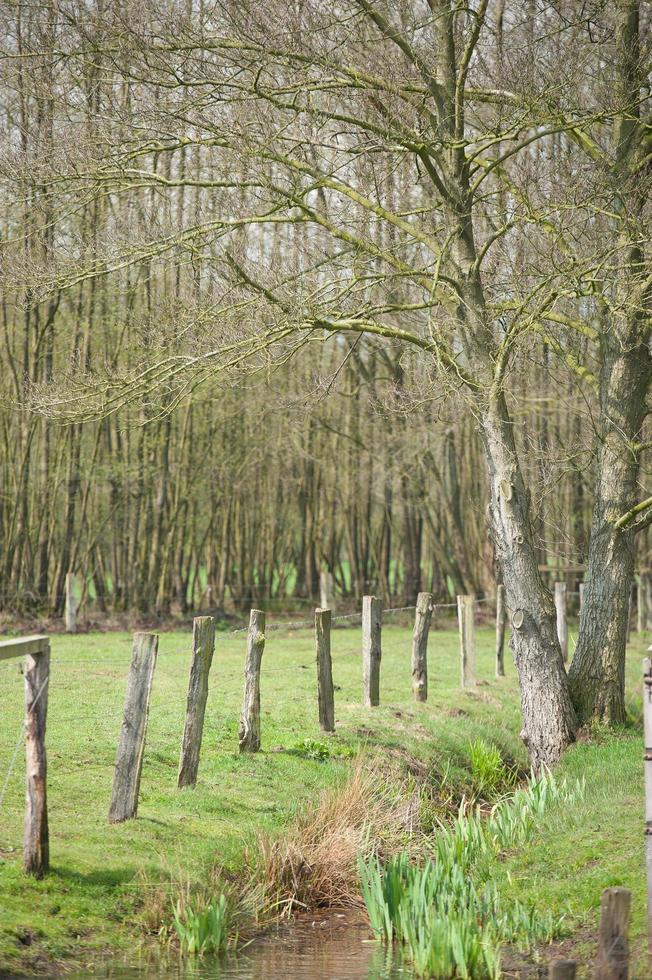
613	954
131	741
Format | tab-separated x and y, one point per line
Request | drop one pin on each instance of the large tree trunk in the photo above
597	673
549	721
548	716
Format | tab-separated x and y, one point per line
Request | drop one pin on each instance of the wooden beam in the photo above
24	646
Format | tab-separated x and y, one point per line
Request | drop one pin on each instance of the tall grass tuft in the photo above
204	930
491	775
450	921
314	865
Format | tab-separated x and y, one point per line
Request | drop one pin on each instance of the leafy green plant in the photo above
491	776
312	748
450	923
202	931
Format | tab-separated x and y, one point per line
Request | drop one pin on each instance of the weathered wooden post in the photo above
131	742
36	847
325	690
501	620
562	970
613	946
580	589
562	619
326	590
72	604
372	616
641	603
647	756
466	623
36	650
422	617
250	718
203	645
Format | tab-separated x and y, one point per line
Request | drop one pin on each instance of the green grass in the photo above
92	900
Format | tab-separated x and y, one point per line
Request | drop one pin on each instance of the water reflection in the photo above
332	948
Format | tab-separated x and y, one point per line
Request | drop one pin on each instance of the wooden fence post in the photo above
422	617
72	604
36	848
562	619
203	645
466	623
325	690
501	620
250	718
613	948
580	589
562	970
647	756
131	743
641	603
372	616
326	590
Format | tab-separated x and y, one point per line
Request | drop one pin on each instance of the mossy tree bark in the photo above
597	674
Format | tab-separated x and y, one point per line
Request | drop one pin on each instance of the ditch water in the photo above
330	949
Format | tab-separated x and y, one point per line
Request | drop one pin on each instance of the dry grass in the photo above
314	865
386	804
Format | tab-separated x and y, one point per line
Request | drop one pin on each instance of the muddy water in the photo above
330	949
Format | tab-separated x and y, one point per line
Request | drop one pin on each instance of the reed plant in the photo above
446	913
204	929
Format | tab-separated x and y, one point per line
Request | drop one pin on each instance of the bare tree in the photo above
389	170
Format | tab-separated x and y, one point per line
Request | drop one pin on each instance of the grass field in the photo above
92	900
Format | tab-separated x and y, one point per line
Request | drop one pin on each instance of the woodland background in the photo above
347	456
